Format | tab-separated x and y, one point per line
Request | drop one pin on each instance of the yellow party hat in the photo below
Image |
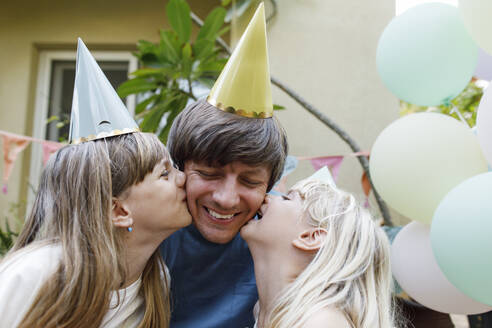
243	87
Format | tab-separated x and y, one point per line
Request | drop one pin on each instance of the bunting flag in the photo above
49	148
291	163
333	162
14	144
366	185
366	188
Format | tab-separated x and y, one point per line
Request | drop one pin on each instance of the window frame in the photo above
41	103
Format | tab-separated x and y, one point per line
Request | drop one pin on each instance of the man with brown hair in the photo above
230	163
232	150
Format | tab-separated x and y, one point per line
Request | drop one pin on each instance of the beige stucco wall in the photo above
325	50
28	27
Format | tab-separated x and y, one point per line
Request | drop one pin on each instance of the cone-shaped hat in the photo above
97	110
323	175
243	86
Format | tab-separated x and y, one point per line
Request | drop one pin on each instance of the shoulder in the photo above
22	274
33	260
328	317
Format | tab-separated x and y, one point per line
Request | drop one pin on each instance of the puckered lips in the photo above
259	215
219	217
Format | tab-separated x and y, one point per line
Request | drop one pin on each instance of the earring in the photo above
130	229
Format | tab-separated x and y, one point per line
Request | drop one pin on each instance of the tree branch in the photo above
197	20
345	137
325	120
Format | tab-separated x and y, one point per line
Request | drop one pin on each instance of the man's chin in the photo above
215	235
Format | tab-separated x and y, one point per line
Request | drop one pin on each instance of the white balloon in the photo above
419	158
484	123
416	270
476	16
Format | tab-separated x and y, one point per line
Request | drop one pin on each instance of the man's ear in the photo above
310	240
121	215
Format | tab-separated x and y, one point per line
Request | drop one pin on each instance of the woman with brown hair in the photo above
87	255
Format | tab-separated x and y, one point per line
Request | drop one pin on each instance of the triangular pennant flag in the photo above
366	185
333	162
49	148
291	163
12	146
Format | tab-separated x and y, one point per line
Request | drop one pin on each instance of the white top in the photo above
23	274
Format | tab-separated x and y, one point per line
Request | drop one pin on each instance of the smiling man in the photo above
230	162
232	150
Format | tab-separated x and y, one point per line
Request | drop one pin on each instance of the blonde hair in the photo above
73	208
350	272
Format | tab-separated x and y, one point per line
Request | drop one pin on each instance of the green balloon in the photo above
426	56
461	237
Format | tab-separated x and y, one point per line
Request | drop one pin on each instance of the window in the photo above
56	75
61	92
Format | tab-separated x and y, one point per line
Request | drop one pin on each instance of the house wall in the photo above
30	26
324	50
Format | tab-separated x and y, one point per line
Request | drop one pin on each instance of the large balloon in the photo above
425	56
484	123
415	268
419	158
476	16
461	237
483	70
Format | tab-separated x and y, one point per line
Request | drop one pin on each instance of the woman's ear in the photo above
121	215
311	240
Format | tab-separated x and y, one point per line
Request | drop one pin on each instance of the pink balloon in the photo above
484	124
483	70
417	272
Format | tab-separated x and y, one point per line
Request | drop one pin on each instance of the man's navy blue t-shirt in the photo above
212	285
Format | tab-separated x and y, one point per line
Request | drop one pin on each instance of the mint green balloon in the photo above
461	237
426	56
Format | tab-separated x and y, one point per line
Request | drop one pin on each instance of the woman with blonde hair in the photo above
88	253
320	261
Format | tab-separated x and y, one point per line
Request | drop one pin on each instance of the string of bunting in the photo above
14	144
332	162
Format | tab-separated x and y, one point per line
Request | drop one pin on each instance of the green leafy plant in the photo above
7	238
466	103
174	68
62	123
8	234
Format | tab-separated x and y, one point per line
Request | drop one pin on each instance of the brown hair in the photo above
72	208
203	133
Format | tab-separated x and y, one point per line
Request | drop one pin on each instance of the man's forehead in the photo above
235	166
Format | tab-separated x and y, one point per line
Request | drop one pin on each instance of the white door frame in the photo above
46	59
